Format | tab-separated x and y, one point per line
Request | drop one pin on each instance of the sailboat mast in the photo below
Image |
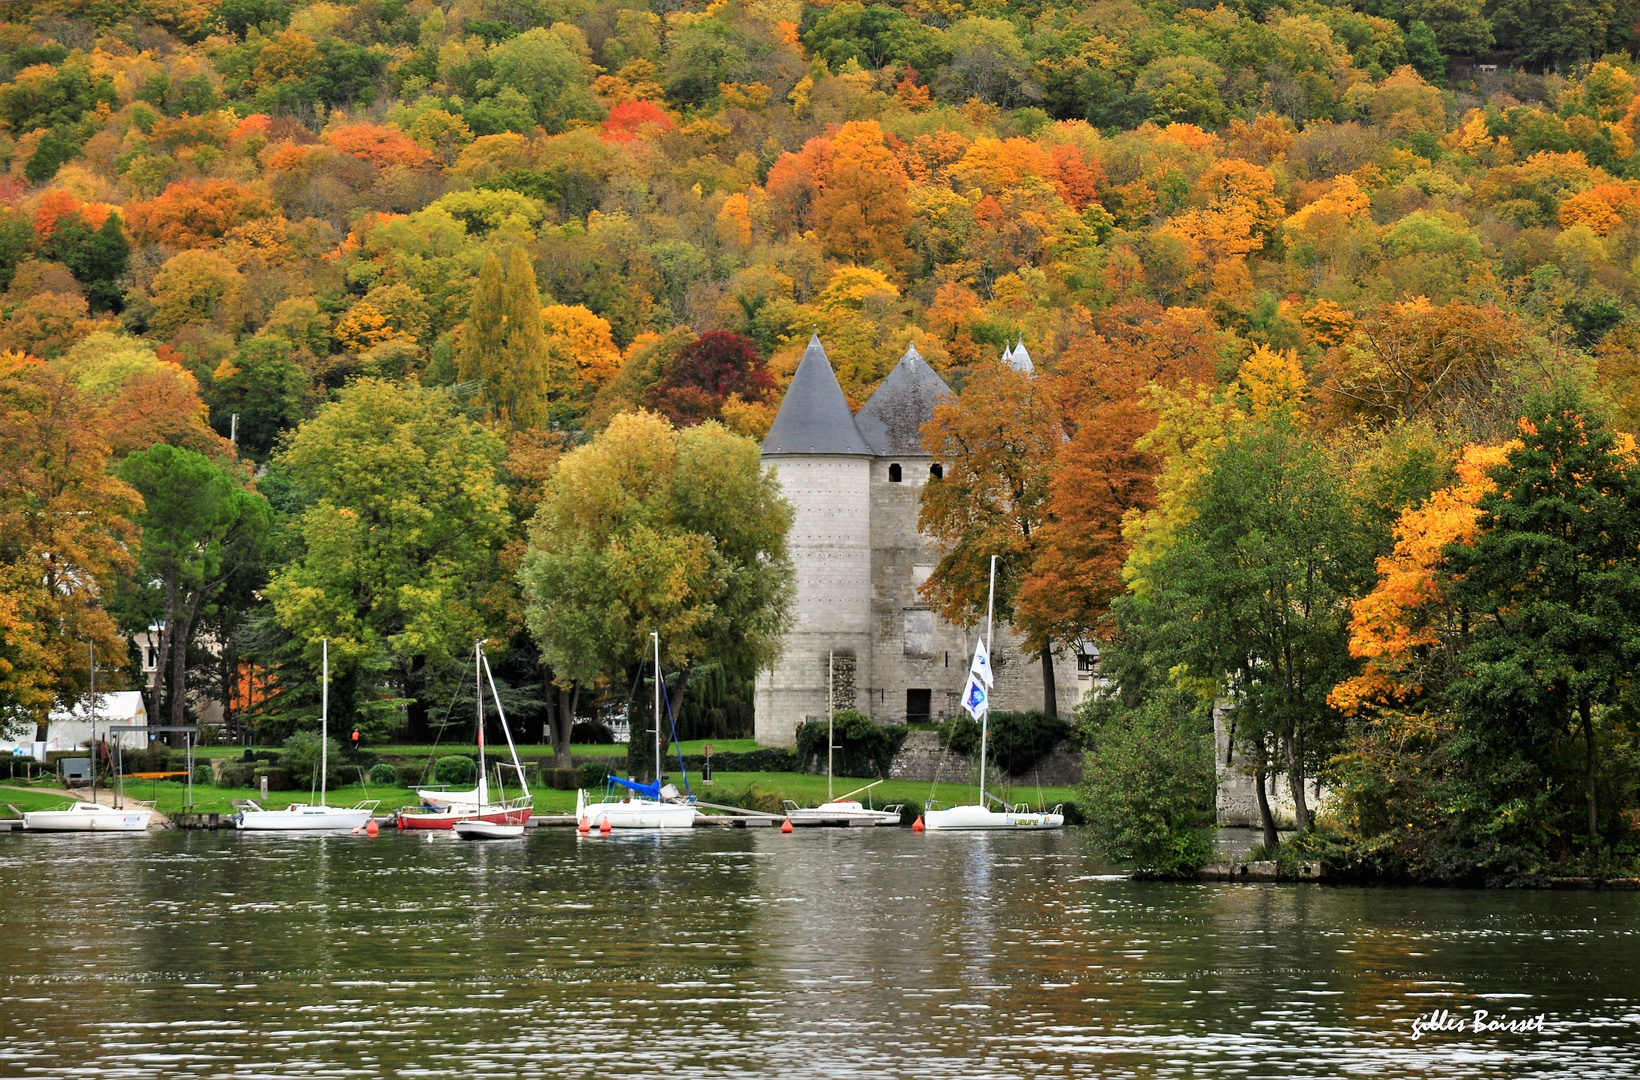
985	718
831	714
657	638
478	698
91	711
324	716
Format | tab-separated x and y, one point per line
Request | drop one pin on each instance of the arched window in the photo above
894	473
937	471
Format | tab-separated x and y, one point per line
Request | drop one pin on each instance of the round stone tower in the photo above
823	465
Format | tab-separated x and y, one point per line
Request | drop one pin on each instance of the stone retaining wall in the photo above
923	759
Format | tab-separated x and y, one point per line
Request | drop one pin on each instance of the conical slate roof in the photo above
892	420
814	417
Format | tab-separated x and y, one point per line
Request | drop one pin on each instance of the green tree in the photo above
1147	788
540	65
96	257
198	529
403	520
1251	595
504	343
1552	586
265	388
649	529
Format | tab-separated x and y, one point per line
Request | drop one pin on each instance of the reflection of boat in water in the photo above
976	699
655	805
88	817
475	829
301	817
476	806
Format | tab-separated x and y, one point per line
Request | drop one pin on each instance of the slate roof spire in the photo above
1018	358
814	417
892	420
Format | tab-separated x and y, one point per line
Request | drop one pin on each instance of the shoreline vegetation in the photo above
1294	349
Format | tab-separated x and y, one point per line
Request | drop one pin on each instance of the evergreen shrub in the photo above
383	775
864	748
204	774
456	769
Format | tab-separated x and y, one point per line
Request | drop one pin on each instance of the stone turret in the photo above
823	464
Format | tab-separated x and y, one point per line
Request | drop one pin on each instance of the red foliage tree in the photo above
706	372
628	119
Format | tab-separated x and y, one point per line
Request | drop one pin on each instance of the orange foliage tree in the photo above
64	531
196	213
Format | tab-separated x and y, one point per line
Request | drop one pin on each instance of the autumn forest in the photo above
403	323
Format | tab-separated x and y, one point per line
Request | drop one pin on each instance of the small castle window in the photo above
894	473
937	471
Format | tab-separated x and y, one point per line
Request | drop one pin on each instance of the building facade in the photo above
862	635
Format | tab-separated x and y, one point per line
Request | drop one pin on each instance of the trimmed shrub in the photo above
410	775
236	774
204	774
864	748
593	774
1018	739
565	779
456	769
383	774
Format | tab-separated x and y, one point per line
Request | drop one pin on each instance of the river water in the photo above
730	953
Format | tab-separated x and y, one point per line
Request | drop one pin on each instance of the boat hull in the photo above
974	818
88	818
448	818
300	818
635	814
849	814
487	830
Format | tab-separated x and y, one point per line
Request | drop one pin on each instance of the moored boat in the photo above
655	805
476	829
976	700
88	817
302	817
456	808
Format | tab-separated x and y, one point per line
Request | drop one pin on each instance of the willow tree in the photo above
504	342
651	529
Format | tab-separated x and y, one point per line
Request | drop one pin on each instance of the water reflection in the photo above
749	953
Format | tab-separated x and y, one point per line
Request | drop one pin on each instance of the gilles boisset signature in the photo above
1480	1022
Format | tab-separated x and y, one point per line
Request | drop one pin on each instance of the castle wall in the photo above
830	548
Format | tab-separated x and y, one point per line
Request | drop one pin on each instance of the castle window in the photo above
894	473
937	471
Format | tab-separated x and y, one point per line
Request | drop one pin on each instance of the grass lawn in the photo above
169	797
806	790
691	748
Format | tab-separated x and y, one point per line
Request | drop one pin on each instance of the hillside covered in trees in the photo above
302	306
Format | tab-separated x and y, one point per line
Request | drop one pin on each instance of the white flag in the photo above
974	698
982	663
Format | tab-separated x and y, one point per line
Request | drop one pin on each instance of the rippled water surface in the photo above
749	953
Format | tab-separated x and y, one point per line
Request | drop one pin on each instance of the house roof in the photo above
814	417
892	420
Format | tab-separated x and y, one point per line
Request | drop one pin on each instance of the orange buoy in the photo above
372	829
583	828
603	827
785	824
917	826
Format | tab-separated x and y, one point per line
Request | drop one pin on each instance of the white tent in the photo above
71	729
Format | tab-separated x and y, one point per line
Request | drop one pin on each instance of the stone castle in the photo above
854	482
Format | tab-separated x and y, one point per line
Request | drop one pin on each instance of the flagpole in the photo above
985	718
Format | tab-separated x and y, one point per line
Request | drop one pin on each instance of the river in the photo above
731	953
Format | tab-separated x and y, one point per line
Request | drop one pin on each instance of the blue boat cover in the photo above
650	791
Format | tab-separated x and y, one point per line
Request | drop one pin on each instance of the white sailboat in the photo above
302	817
88	817
649	806
835	811
976	700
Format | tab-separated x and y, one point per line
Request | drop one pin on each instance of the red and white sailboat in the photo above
476	805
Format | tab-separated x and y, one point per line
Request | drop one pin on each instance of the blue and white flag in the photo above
982	663
975	699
